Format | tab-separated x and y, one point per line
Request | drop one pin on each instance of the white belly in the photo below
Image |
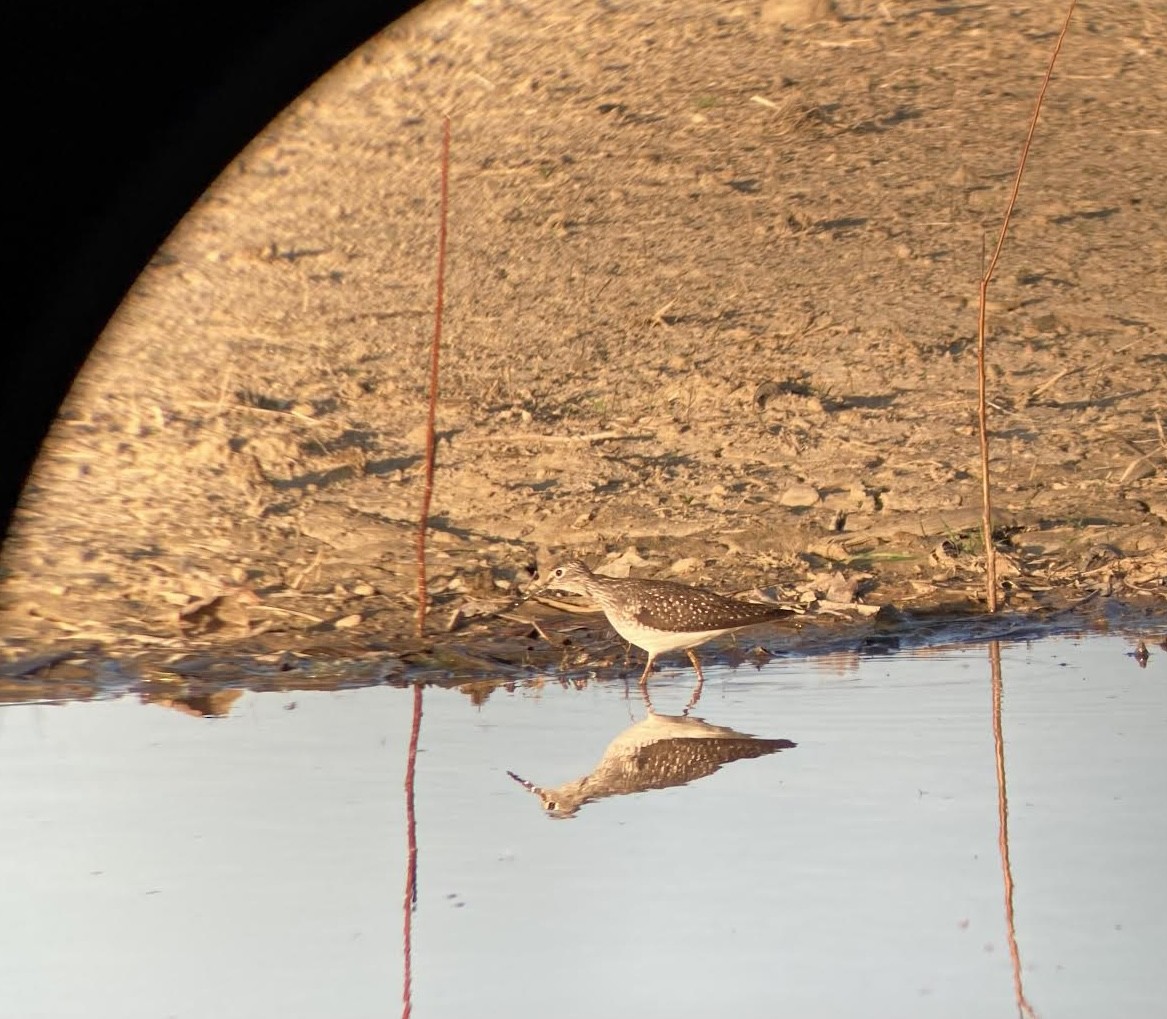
657	642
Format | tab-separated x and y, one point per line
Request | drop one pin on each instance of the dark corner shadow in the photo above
126	113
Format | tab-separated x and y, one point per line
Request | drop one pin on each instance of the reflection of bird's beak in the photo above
529	786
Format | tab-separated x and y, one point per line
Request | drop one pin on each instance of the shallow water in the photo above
156	864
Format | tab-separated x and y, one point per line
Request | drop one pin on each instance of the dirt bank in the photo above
710	309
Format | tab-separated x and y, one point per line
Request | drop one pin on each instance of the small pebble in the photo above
799	495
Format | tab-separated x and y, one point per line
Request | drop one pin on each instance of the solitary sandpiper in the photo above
659	615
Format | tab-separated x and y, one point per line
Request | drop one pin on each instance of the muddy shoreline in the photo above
707	319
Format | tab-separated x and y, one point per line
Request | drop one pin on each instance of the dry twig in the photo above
982	411
427	493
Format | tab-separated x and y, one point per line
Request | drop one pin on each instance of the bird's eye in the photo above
551	805
558	571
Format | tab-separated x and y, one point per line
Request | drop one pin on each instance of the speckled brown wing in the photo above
677	608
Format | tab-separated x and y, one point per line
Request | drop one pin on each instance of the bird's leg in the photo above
700	681
647	670
696	664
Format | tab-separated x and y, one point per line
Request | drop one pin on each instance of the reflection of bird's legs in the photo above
700	682
627	699
647	700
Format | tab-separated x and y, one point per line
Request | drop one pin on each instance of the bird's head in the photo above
571	576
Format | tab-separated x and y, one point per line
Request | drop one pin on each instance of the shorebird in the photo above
660	615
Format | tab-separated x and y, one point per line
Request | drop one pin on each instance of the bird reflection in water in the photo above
658	752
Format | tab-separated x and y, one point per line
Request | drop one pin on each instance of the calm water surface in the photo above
156	865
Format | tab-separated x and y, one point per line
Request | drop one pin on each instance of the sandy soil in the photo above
710	313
